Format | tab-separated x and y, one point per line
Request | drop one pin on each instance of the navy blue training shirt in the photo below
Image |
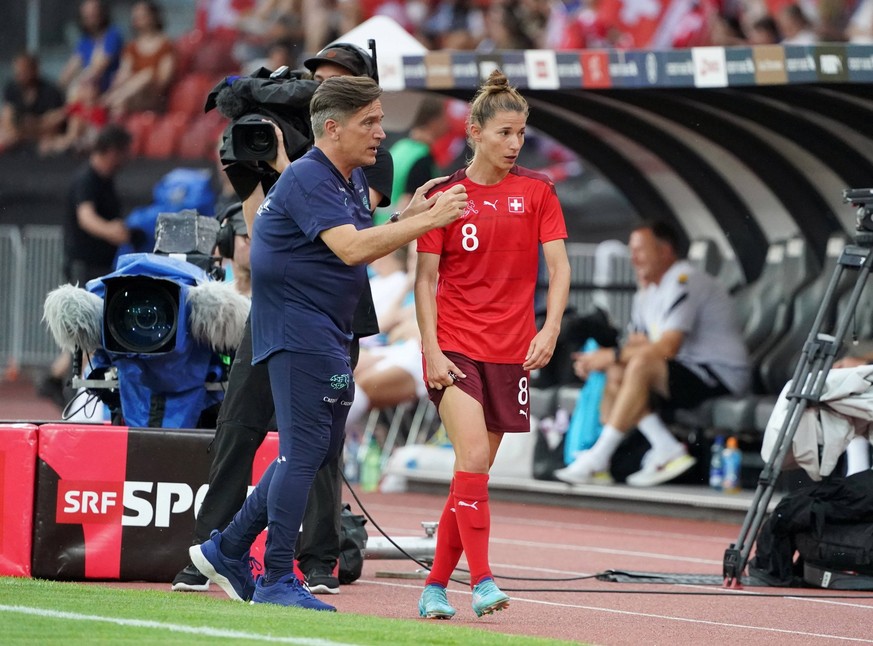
303	295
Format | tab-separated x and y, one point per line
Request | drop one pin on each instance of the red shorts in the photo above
503	389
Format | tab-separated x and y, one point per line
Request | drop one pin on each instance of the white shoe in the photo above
658	469
581	471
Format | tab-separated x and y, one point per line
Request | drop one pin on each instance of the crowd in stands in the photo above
155	86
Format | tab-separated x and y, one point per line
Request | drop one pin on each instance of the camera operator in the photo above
234	245
247	411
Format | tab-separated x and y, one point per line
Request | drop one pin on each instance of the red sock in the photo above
474	521
448	546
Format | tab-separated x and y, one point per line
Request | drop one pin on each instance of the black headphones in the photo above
224	240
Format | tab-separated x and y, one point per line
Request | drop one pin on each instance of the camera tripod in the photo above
807	383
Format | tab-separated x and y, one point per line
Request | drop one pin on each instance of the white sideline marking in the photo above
650	615
176	628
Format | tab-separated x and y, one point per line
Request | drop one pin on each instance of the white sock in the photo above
359	408
601	453
857	456
657	433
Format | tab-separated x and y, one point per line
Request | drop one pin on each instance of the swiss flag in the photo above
516	205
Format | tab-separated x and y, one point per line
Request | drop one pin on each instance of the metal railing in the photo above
31	259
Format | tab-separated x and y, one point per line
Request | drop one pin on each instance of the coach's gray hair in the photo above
340	97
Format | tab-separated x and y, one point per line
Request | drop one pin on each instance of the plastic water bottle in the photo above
371	469
716	464
732	461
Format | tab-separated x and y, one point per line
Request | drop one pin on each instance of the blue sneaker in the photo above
288	591
231	575
488	598
434	604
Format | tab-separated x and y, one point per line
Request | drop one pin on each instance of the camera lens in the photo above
259	140
142	317
251	139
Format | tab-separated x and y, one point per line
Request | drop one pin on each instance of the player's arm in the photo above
542	346
355	247
439	367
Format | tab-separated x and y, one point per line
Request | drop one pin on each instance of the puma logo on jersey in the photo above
522	411
493	204
472	505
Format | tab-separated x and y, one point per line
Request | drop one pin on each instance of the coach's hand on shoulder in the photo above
449	206
419	203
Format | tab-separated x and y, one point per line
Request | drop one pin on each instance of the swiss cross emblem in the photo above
516	205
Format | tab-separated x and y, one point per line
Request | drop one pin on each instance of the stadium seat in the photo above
187	46
200	138
164	139
140	126
705	255
765	310
214	56
779	363
188	94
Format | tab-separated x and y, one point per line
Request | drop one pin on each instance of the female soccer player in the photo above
474	295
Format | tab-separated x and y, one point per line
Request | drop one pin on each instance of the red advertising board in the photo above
119	503
18	447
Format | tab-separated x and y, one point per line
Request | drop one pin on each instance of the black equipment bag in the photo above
353	541
839	547
829	524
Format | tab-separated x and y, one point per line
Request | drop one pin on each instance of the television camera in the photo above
156	329
253	103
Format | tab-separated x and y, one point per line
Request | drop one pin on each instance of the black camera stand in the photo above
807	386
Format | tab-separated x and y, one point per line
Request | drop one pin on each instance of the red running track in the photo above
543	542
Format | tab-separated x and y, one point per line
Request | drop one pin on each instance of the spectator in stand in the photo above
221	18
860	28
684	347
270	22
454	24
280	53
763	31
795	27
98	52
414	163
147	64
31	105
86	117
726	31
502	29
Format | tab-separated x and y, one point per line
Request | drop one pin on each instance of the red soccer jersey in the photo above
488	264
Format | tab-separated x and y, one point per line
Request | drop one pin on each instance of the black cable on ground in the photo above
717	592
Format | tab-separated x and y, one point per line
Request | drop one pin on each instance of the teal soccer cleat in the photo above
487	598
434	604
